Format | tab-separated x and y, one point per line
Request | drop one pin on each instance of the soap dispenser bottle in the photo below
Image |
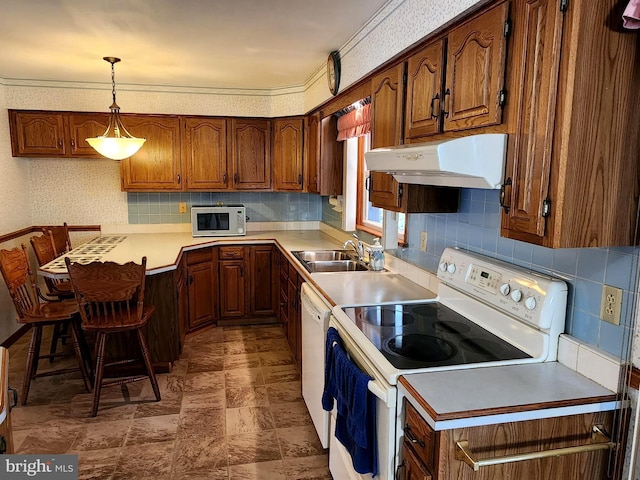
376	255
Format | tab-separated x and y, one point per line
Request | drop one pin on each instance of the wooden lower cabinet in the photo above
183	301
202	285
264	281
427	454
232	291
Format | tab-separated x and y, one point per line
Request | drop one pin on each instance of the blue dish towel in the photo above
345	384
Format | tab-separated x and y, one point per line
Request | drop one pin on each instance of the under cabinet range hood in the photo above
474	161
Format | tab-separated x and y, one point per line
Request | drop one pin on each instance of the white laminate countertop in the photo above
490	395
368	288
163	252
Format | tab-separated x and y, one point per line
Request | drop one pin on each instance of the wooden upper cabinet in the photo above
55	134
287	154
156	166
387	95
37	134
204	153
330	170
82	126
475	70
251	153
573	168
529	163
425	75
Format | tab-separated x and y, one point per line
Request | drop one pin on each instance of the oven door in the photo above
340	463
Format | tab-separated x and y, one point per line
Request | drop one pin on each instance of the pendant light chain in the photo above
113	82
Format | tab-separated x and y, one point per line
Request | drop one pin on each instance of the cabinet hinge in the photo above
546	207
564	4
502	97
507	28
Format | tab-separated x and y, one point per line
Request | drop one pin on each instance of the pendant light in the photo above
116	142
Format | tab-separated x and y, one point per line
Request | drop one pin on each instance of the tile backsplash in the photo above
149	208
476	227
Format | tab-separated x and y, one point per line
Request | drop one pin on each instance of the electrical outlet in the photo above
423	241
611	304
182	207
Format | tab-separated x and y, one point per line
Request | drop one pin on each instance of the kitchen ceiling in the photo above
248	44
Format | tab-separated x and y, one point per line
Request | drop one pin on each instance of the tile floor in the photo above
231	409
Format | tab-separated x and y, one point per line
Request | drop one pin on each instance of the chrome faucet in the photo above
357	246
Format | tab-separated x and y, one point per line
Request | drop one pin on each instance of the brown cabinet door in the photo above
183	302
204	153
425	74
387	96
83	126
475	71
201	287
330	171
156	166
232	289
529	160
413	468
312	152
283	304
287	154
37	134
251	154
264	281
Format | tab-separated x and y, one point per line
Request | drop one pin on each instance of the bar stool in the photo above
110	298
33	310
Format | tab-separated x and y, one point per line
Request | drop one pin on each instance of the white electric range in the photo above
487	313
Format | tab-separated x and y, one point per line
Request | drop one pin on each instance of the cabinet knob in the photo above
60	142
235	178
178	178
224	178
73	143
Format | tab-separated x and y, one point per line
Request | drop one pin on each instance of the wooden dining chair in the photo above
59	236
58	288
34	311
110	298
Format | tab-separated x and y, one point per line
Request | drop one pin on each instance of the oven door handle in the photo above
379	392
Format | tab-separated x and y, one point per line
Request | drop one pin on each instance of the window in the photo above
368	217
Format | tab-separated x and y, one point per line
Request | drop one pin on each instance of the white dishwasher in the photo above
315	321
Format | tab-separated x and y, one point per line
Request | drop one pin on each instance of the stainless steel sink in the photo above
330	261
324	255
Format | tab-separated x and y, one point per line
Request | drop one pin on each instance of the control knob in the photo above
516	296
451	268
530	303
505	289
443	267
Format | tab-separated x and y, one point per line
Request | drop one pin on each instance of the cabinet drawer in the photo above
226	253
420	436
199	256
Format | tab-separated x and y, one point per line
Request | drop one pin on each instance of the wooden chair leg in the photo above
147	361
101	342
55	336
75	336
33	355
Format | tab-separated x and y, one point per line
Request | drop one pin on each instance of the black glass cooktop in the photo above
429	335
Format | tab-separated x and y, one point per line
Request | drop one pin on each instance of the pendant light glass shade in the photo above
116	142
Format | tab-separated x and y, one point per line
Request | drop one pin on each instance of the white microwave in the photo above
218	221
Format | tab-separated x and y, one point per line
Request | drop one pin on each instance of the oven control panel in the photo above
530	296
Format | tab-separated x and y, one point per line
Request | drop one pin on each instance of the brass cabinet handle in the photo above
73	143
60	142
178	178
224	178
412	438
401	472
235	178
299	179
599	441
